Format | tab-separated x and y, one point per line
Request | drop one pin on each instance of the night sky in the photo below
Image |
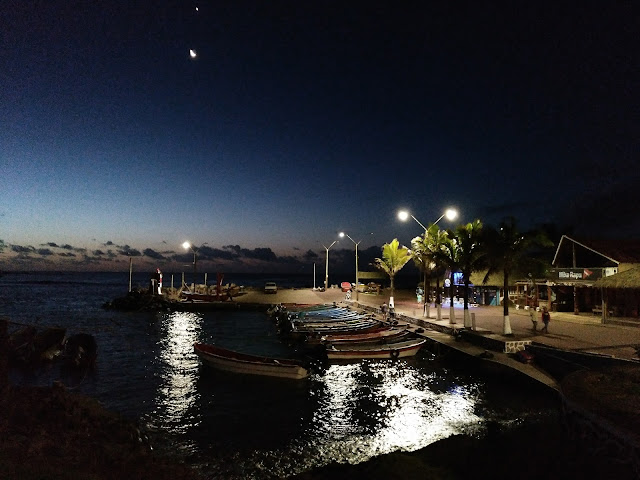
300	119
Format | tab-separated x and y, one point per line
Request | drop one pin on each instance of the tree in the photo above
434	240
471	257
394	258
449	255
423	258
507	251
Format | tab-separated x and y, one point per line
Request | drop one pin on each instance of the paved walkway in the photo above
566	330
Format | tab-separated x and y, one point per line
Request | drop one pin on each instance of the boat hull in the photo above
391	334
360	352
235	362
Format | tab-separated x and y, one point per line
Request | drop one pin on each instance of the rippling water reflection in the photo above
367	409
258	427
177	368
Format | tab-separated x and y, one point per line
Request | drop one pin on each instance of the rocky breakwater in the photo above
140	300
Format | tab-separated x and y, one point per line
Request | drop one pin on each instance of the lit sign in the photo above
573	274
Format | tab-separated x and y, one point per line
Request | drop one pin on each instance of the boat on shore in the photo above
360	351
236	362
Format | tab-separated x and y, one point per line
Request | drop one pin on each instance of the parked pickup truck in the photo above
270	287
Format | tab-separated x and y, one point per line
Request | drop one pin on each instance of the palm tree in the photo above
434	241
507	249
424	261
393	259
450	256
471	257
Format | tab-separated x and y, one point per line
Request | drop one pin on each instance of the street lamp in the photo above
188	246
326	272
342	234
451	214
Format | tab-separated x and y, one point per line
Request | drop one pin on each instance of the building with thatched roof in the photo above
627	279
602	276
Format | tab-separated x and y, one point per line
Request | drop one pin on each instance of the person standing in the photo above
546	318
534	321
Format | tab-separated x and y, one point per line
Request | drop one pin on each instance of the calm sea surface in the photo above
245	427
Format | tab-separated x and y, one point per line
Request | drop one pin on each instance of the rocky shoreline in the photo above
52	433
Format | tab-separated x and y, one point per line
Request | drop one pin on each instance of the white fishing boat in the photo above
236	362
359	351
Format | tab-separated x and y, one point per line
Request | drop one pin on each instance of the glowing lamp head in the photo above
341	234
451	214
186	245
403	215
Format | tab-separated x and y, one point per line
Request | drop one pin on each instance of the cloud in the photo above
127	251
260	253
209	253
310	255
149	252
265	254
227	258
21	249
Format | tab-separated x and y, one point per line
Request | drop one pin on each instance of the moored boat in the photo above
236	362
357	351
320	328
390	334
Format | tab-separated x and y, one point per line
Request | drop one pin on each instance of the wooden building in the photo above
586	276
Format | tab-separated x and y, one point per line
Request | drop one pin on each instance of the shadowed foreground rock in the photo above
530	452
49	433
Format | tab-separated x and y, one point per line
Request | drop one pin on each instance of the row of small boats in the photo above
337	332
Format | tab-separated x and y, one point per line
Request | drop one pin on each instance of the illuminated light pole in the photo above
326	270
451	214
188	246
342	234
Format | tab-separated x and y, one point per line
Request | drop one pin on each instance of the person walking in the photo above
546	318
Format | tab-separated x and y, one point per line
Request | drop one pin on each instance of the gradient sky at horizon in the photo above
298	120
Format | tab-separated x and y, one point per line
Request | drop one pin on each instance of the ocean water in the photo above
252	427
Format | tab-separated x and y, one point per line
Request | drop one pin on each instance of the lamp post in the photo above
342	234
451	215
326	271
188	246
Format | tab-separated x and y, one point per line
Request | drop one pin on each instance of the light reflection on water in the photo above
255	427
372	408
177	368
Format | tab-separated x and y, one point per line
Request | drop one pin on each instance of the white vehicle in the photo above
270	287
